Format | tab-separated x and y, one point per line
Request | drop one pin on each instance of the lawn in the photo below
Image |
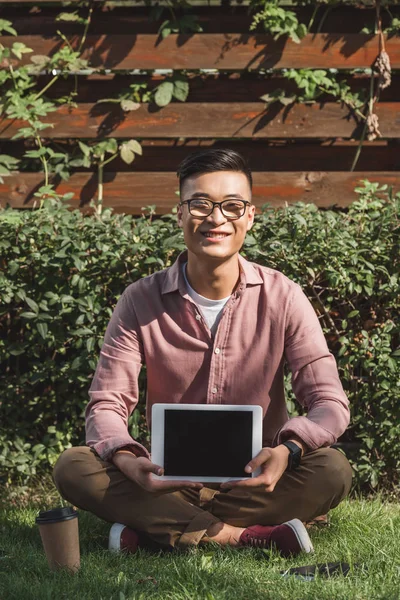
364	533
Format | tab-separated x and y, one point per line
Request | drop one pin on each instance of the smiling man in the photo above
213	328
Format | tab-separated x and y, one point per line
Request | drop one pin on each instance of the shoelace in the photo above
258	542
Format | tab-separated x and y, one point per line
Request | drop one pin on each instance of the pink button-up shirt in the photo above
267	321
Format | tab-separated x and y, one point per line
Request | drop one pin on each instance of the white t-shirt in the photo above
210	309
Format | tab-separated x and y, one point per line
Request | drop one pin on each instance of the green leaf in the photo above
286	100
40	59
78	162
18	49
374	479
268	98
17	352
70	17
84	148
42	329
28	315
90	344
7	26
76	363
134	146
9	161
83	331
14	267
165	29
129	149
301	30
181	90
250	240
300	219
36	153
163	95
126	154
129	105
32	304
295	37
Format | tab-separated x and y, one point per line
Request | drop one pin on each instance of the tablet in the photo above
205	442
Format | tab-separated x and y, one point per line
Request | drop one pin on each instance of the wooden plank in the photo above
224	87
122	20
212	19
211	120
219	51
128	192
262	155
135	3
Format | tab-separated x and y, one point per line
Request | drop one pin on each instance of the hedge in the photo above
62	272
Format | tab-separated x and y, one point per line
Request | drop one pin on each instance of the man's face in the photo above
215	236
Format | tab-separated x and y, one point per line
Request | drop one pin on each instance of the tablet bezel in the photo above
158	429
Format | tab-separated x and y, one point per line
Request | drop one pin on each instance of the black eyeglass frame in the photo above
246	203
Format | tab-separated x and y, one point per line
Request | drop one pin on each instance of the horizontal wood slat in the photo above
220	51
213	19
240	120
128	192
262	155
232	87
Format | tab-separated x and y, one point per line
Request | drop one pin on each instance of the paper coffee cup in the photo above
60	537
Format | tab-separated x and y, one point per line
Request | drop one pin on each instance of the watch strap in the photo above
294	455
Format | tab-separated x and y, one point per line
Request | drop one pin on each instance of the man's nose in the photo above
217	216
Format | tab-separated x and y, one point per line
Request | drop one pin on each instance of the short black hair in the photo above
211	160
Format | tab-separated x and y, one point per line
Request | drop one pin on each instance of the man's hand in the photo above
273	463
140	469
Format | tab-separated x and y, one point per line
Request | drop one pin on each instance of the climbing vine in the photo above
313	84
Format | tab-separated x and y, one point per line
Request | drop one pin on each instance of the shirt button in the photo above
198	317
214	390
217	350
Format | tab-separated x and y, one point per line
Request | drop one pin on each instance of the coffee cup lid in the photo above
55	515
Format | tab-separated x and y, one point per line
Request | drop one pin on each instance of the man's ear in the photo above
252	212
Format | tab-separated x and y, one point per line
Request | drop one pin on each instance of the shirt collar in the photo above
251	276
174	279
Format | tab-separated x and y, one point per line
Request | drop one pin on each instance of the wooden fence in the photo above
297	152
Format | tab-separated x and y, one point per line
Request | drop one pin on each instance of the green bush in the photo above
62	273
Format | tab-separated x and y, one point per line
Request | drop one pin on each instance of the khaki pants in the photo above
182	518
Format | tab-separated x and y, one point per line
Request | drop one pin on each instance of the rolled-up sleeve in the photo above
114	391
315	379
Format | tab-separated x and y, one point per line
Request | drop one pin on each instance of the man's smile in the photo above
215	235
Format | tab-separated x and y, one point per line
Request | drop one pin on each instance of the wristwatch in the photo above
294	455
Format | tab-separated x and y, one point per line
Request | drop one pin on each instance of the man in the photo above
213	328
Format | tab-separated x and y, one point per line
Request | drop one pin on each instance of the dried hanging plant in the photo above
383	68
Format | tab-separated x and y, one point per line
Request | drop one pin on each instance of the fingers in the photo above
250	483
261	458
149	467
174	486
257	482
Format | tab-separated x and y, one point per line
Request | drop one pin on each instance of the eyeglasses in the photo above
231	209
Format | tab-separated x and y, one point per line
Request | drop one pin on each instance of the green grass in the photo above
364	533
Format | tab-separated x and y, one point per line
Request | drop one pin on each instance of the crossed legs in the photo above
183	518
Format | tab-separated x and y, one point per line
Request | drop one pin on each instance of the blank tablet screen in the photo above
207	443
